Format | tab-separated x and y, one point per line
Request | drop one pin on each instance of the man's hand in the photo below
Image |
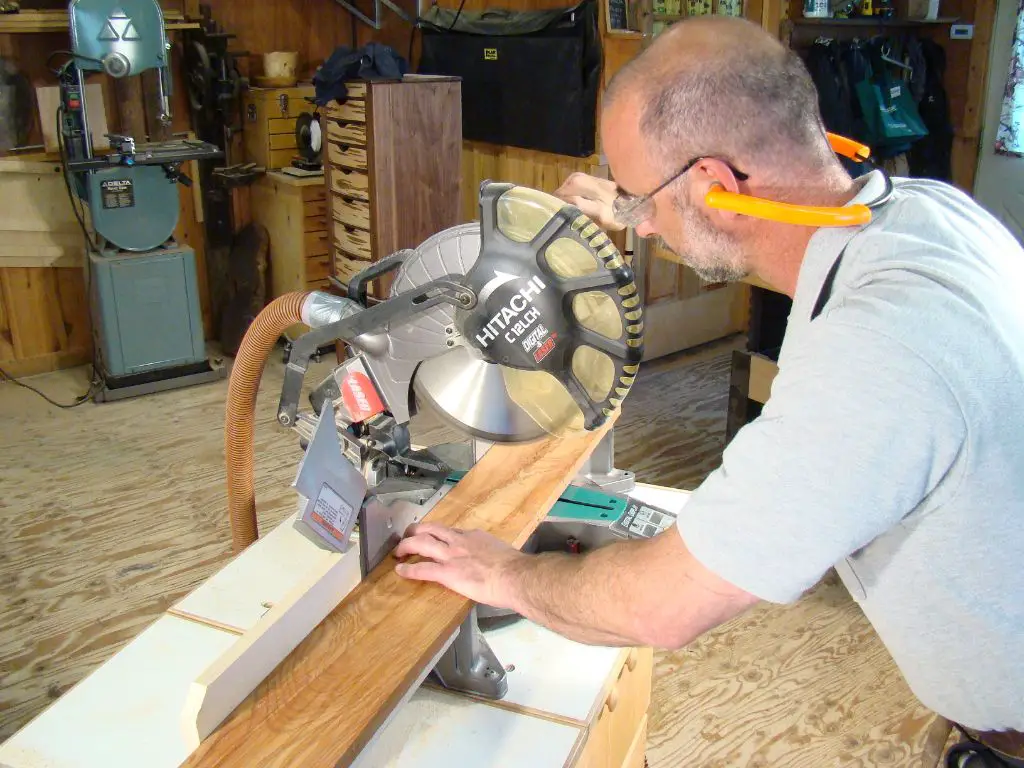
593	196
475	564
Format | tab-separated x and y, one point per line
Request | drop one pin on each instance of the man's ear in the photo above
712	172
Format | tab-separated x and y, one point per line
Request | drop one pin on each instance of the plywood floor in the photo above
109	513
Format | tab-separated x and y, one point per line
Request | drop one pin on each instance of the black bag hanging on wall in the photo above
529	78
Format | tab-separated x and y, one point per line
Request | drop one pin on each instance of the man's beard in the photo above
715	256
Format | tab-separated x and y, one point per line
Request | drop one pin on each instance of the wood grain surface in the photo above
803	686
323	704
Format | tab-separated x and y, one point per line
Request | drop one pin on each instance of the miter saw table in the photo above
567	704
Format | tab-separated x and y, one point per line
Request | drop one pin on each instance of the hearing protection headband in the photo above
806	215
627	208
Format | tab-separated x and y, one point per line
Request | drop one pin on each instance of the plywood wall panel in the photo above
44	319
74	309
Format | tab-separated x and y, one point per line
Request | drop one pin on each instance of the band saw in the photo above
142	283
521	326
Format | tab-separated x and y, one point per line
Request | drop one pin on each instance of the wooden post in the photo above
131	107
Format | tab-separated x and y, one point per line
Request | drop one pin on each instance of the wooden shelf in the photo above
871	22
36	22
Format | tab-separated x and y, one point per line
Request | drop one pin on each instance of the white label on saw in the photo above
332	512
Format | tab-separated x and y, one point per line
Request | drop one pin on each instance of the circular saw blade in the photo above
472	395
465	391
506	385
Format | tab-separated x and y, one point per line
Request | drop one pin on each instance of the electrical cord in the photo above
457	14
71	57
93	386
78	209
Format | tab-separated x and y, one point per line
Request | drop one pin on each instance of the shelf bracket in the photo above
375	22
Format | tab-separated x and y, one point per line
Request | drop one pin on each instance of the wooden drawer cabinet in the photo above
294	212
270	115
392	161
346	156
617	738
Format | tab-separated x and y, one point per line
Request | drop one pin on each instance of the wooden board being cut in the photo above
323	704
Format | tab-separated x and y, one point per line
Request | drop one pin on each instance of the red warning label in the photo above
544	349
360	396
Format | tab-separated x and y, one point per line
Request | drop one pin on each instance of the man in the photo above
891	447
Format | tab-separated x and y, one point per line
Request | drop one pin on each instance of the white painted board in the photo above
48	99
436	729
550	673
224	685
241	592
126	713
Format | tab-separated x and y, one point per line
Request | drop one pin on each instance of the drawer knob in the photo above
344	147
613	699
632	659
350	229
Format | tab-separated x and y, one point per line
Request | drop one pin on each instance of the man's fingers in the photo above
425	571
442	532
423	545
583	185
600	212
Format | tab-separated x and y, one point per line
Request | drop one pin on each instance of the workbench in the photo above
567	704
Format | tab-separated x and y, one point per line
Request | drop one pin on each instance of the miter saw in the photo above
523	325
143	288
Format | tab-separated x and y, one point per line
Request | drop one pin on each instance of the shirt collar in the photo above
827	243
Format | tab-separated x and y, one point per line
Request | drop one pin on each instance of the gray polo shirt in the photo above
892	447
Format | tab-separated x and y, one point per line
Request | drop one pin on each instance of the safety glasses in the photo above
633	210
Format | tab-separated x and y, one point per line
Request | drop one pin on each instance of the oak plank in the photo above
323	704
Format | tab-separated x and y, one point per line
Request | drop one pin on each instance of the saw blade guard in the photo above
603	342
555	338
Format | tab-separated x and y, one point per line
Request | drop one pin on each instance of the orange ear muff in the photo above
854	150
801	215
787	213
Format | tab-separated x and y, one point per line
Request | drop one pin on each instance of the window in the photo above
1010	136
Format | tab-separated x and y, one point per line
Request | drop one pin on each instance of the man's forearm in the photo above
584	598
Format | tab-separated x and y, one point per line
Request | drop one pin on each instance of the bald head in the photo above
722	87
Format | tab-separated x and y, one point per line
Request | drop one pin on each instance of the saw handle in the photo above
358	286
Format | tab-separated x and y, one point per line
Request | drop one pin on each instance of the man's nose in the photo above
645	228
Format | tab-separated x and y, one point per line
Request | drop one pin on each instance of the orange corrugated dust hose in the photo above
240	412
